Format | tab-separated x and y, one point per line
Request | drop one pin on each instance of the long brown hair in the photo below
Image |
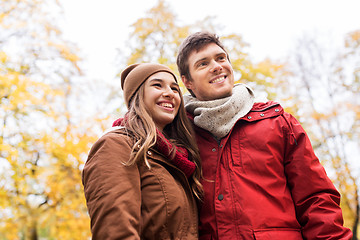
180	132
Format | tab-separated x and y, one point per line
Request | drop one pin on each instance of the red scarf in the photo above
163	145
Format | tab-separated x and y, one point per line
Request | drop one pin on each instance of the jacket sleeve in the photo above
112	190
317	202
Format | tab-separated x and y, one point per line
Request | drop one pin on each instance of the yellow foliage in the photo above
353	40
43	153
3	57
65	52
2	16
355	35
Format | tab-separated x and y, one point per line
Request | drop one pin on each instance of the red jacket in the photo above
263	181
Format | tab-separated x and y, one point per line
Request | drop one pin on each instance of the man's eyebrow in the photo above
205	58
220	53
200	60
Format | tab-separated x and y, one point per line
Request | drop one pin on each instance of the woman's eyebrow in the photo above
156	79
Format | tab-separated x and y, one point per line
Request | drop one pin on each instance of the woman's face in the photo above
162	98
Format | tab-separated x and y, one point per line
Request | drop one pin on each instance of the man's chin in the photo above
222	95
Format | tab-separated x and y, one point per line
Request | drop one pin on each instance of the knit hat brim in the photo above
136	74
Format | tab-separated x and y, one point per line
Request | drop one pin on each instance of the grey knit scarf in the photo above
219	116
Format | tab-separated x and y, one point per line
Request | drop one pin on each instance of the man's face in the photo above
211	73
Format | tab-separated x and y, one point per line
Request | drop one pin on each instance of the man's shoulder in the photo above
263	110
262	106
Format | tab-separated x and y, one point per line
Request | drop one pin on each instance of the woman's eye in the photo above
157	84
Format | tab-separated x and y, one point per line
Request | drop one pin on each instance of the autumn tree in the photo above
350	80
324	87
44	138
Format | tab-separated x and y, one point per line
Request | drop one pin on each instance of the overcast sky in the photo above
269	26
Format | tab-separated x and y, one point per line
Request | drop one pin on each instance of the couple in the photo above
224	168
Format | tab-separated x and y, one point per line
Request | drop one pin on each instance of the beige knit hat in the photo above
134	75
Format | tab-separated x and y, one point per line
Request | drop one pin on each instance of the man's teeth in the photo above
167	105
218	80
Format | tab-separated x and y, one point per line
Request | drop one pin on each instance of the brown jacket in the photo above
135	202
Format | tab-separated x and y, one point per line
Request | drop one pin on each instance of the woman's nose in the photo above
168	92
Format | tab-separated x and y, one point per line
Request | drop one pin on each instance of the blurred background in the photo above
59	88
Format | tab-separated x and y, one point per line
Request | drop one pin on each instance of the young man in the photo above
261	177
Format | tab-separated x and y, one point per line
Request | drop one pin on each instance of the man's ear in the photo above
187	82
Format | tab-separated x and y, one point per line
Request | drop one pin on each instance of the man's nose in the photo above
215	67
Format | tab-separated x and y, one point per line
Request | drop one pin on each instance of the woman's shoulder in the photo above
115	137
118	132
113	142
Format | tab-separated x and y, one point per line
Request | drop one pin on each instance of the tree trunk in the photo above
33	231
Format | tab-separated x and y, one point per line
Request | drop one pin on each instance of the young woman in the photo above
141	180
